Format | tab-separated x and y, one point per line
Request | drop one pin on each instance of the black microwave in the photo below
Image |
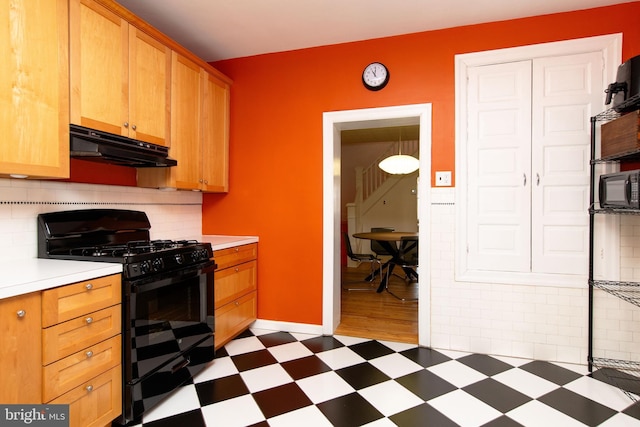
620	190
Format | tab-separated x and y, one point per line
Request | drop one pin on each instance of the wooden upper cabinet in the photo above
185	123
120	76
215	134
149	88
34	88
199	131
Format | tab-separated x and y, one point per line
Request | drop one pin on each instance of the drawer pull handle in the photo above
237	269
89	388
237	303
237	249
89	320
89	354
21	313
89	286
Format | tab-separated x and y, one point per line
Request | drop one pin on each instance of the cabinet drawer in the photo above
231	283
236	255
234	318
65	374
96	402
74	335
68	302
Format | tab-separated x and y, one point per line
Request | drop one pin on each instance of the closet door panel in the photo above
499	163
567	91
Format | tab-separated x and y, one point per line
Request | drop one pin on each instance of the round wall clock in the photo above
375	76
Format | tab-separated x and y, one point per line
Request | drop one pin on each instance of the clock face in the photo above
375	76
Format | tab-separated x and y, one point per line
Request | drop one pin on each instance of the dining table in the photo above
391	241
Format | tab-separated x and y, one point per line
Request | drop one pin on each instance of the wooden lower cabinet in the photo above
81	349
95	402
236	293
235	317
63	346
72	371
20	349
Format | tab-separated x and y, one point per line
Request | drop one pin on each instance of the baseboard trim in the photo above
301	328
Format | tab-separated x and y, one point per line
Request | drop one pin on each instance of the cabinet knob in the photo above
89	354
237	303
126	124
21	313
134	127
89	320
206	181
88	286
89	388
237	269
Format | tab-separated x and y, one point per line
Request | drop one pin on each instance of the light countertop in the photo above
21	276
219	242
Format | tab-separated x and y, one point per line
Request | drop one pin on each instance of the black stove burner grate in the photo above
127	249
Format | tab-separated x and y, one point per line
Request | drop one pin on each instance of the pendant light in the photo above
399	164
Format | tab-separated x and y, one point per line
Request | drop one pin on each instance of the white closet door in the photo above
567	91
499	167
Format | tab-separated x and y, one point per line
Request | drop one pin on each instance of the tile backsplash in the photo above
173	214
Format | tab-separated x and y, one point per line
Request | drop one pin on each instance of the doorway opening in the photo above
333	124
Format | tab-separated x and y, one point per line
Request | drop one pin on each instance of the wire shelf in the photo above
628	291
616	211
609	114
622	374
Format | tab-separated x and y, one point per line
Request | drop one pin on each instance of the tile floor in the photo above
266	378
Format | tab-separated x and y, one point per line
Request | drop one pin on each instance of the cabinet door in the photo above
566	93
20	349
98	70
499	165
34	99
185	123
527	168
215	134
149	88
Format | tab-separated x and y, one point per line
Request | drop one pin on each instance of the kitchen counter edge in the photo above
23	276
219	242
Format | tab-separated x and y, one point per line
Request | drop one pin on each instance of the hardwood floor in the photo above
368	314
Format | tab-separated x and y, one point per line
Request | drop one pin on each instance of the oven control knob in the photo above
157	264
179	258
145	267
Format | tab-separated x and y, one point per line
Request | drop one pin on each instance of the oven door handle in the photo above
175	368
153	282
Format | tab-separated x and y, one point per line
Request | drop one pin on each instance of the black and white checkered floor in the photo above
266	378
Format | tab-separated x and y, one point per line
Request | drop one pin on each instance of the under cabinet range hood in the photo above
103	147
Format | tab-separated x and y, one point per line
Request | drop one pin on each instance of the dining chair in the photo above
376	247
370	258
408	257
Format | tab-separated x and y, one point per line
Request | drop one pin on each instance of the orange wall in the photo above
98	173
277	101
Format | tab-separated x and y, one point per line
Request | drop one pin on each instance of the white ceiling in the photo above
223	29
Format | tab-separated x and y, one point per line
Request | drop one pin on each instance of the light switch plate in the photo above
443	178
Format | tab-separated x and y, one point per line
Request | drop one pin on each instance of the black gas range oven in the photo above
167	296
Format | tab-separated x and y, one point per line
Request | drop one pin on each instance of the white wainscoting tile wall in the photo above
538	322
173	214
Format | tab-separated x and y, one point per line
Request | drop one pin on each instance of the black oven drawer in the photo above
146	393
